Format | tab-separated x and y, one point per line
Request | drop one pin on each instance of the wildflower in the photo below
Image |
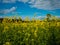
35	34
6	28
58	23
7	43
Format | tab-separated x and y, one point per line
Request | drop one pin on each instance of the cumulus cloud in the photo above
13	1
6	11
31	1
40	17
9	1
23	1
46	4
39	4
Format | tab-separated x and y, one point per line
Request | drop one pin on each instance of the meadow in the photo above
34	32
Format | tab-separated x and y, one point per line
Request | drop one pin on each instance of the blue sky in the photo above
29	8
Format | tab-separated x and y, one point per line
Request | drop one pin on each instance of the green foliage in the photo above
29	33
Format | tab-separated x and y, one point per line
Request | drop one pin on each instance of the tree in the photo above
48	17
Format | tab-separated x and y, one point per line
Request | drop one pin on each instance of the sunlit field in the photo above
35	32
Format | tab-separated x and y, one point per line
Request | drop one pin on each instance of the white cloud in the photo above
23	1
8	10
44	4
9	1
47	4
40	17
16	12
13	1
58	16
31	1
1	16
52	11
39	4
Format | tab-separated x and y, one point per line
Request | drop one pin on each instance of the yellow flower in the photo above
24	24
42	23
6	28
7	43
35	34
32	30
58	23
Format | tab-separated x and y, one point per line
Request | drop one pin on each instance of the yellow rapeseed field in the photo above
29	33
